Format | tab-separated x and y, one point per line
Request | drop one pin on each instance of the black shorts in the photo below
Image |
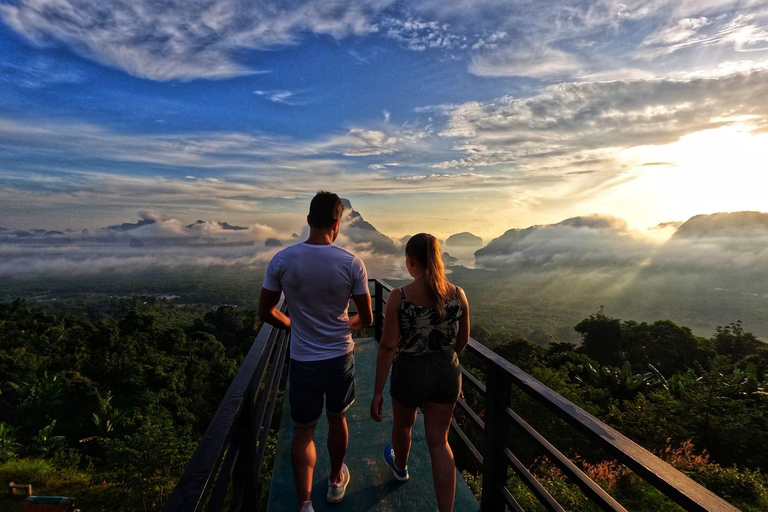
312	381
432	377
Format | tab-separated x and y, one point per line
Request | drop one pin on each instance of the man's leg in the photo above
339	397
306	400
303	458
338	440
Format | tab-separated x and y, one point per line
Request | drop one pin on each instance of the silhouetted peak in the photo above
725	225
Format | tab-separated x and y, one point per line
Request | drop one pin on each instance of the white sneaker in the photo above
307	507
336	491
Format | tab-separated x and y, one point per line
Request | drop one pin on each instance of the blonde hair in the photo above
425	250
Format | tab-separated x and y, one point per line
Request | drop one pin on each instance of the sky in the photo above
434	116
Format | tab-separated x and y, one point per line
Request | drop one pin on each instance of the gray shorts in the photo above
432	377
313	382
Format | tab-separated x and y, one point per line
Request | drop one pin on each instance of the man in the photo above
318	278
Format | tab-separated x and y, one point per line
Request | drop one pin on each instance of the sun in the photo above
719	170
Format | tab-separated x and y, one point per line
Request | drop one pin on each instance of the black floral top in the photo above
421	329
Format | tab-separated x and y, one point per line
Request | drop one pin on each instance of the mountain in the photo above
665	225
360	232
128	226
465	239
222	225
719	225
593	240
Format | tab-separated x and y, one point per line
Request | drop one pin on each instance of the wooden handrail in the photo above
501	374
230	433
233	441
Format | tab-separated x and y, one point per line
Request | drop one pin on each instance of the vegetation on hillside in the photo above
698	403
110	409
106	399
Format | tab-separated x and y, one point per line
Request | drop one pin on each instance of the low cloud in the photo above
591	241
725	245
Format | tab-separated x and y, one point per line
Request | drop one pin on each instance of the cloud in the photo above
182	40
422	35
100	258
360	142
721	247
592	241
743	32
38	72
538	62
277	96
565	122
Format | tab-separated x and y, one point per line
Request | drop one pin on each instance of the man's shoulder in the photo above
342	252
288	251
349	256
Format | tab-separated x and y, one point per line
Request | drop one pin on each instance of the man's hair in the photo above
324	210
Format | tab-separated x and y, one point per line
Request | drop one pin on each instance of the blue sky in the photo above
439	116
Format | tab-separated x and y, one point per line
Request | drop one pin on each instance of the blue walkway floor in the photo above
372	486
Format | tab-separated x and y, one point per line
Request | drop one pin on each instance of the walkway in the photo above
372	486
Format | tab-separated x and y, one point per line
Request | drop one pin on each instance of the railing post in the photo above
243	476
497	399
378	316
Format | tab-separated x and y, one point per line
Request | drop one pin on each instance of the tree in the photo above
602	338
734	342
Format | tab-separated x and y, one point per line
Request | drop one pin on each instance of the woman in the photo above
427	325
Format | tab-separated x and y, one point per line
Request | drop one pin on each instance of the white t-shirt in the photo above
317	281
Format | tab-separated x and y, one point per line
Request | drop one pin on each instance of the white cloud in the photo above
422	35
539	62
277	96
568	119
183	40
738	31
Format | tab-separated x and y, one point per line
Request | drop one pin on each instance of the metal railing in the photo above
499	418
225	468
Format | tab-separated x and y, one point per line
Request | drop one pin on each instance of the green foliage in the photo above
8	444
145	464
46	443
119	396
662	387
733	342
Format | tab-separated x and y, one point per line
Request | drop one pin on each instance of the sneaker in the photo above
389	458
336	491
307	507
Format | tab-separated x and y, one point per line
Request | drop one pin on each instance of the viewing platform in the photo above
371	486
488	434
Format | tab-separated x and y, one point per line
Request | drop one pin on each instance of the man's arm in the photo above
268	311
364	317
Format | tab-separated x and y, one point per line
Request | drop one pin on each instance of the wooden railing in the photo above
225	468
500	420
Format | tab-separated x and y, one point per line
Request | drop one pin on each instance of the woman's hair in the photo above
425	250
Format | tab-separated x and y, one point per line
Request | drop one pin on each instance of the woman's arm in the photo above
462	338
387	348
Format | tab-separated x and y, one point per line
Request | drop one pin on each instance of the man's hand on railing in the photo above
377	406
356	323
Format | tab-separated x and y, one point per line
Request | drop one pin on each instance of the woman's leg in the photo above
404	418
437	421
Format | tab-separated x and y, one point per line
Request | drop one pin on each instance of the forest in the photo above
105	399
